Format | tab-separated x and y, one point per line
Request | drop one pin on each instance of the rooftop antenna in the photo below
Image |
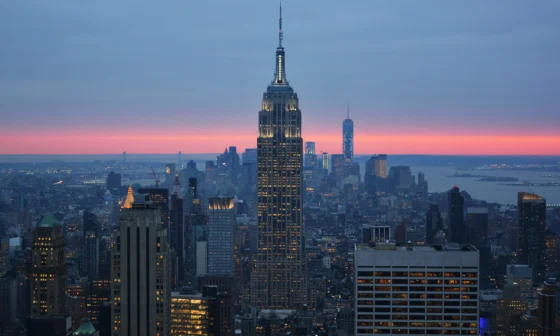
280	34
347	109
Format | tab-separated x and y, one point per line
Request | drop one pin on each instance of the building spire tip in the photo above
280	34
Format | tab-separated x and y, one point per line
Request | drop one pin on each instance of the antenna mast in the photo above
280	34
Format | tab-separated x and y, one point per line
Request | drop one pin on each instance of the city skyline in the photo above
448	79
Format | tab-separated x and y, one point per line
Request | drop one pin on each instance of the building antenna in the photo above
281	33
347	109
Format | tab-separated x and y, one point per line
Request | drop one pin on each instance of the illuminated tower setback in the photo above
279	280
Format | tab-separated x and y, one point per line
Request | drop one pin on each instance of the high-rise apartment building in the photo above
348	137
48	272
325	161
279	279
140	266
434	224
456	215
221	223
531	233
420	290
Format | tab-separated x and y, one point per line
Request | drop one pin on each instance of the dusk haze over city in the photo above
425	77
279	168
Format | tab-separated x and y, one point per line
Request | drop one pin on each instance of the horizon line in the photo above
218	153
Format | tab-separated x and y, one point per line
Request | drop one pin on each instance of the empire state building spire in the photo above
279	279
280	33
280	71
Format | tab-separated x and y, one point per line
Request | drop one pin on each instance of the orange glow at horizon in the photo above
88	142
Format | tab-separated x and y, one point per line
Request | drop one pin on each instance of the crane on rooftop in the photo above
155	177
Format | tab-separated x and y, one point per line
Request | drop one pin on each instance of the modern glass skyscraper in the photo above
456	215
279	280
531	221
221	222
348	137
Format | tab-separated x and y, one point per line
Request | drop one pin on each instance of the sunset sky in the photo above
422	77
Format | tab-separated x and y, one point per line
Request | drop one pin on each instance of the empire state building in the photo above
279	278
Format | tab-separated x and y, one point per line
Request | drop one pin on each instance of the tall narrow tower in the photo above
348	136
48	275
140	273
531	240
279	280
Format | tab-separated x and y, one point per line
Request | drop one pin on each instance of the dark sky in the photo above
188	68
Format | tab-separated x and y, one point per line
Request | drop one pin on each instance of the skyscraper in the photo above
338	167
348	137
48	274
196	235
456	206
140	265
221	222
531	221
250	155
309	153
159	197
233	164
279	280
325	160
547	309
90	252
177	234
170	170
377	165
434	223
114	183
477	226
309	161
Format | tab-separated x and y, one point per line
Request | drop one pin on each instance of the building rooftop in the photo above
417	248
477	210
86	328
187	296
520	271
49	221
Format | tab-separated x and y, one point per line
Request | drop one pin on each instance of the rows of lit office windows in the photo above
418	281
446	296
437	303
401	274
416	289
397	331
